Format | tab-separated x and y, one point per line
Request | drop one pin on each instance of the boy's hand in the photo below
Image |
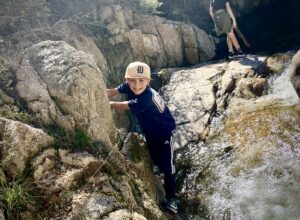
112	92
119	105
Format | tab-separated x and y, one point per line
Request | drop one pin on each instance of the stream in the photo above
249	169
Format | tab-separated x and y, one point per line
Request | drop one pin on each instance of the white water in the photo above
272	190
282	89
268	190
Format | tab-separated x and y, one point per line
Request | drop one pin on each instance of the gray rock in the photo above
5	98
251	88
1	215
19	144
152	39
191	99
135	150
124	214
99	205
294	72
66	88
56	171
74	36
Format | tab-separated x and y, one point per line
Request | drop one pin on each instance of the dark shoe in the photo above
156	170
240	54
231	55
171	205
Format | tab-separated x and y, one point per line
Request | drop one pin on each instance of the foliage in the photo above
78	140
12	112
16	197
21	14
178	15
115	77
3	67
150	6
6	75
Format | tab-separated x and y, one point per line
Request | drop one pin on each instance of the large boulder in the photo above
195	95
294	72
19	143
100	186
191	98
152	39
251	87
64	86
74	36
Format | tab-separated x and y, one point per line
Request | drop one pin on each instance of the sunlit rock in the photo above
66	88
251	88
19	144
294	72
124	214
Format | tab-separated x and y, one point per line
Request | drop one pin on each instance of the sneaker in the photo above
231	55
156	170
171	205
240	54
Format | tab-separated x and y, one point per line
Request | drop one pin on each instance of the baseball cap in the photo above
138	70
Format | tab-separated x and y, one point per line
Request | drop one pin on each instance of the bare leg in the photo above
229	43
233	40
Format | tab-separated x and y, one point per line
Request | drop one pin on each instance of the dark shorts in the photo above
222	22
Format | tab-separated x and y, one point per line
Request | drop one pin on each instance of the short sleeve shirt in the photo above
218	4
153	115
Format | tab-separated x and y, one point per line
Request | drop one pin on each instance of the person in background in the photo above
156	121
225	22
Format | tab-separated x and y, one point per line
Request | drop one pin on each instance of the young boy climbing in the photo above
225	22
155	119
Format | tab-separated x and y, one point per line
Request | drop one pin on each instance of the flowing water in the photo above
251	168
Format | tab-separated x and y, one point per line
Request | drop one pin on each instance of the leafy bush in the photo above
150	6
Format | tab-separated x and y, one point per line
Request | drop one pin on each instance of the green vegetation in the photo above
78	140
17	14
150	6
16	197
11	112
178	15
3	67
114	77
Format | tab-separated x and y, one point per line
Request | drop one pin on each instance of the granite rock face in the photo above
294	72
19	143
66	88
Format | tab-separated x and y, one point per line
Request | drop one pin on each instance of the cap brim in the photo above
137	78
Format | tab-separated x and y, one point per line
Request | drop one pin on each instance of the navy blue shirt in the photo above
153	115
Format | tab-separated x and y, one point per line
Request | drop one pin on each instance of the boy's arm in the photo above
116	105
119	105
112	92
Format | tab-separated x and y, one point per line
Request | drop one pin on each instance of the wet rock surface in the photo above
233	173
294	72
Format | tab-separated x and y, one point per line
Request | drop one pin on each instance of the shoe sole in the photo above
241	56
174	211
237	57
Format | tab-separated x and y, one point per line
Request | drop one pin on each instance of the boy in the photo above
155	119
